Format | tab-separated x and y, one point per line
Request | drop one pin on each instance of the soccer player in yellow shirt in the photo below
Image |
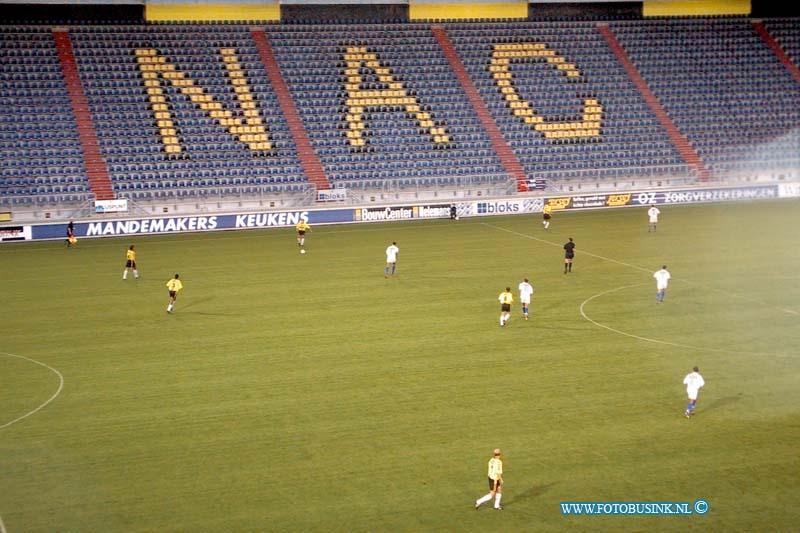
130	262
495	481
506	299
302	227
548	209
174	286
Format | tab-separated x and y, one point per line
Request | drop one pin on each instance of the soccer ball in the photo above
302	251
456	217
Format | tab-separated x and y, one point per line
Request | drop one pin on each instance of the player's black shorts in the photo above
173	294
492	484
547	216
130	264
569	256
505	307
301	232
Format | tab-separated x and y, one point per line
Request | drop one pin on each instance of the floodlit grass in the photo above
300	393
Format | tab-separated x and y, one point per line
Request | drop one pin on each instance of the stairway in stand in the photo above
312	166
776	48
678	139
96	169
501	148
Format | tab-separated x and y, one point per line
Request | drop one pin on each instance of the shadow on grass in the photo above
192	303
530	493
200	302
722	402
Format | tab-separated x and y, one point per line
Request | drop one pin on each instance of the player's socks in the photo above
386	271
393	269
483	500
497	500
136	274
125	274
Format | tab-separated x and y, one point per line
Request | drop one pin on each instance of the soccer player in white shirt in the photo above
525	293
662	280
653	213
693	381
391	259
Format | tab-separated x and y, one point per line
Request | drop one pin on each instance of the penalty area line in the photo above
42	406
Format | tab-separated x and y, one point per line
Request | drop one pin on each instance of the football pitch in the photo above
293	392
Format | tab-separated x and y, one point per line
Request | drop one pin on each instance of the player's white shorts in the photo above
653	220
526	301
692	393
661	286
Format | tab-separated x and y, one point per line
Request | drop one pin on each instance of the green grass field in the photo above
308	393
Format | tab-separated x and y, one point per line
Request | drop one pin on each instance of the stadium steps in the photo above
776	48
96	169
678	139
501	148
312	166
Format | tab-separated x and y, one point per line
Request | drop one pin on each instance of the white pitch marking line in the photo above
53	397
648	339
584	252
2	526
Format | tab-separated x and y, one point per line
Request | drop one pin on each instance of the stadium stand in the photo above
42	160
584	121
189	111
785	32
723	87
186	111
